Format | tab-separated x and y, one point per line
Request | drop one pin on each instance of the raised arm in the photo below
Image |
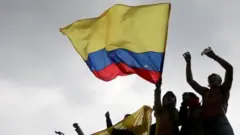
198	88
78	129
108	120
157	96
227	84
157	104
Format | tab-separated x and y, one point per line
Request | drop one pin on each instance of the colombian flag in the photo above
123	40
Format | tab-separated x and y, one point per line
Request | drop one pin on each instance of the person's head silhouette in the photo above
169	100
214	80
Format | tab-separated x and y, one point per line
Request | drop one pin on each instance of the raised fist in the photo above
187	57
209	52
107	114
159	84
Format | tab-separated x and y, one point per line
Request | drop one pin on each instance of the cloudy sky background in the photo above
46	86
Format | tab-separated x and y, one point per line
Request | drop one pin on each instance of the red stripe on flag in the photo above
113	70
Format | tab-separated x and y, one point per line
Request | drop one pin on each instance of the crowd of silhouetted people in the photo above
194	117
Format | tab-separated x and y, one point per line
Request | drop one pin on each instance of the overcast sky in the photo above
46	86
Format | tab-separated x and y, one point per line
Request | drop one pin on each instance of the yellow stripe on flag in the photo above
135	28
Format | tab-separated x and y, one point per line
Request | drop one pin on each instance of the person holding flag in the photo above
165	112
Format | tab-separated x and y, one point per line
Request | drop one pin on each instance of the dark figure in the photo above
166	114
215	98
59	133
190	115
78	129
108	120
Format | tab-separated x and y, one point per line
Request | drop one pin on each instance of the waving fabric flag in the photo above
123	40
139	123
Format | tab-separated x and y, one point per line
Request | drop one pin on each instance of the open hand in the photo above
209	52
187	57
107	114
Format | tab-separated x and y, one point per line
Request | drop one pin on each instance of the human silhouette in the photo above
215	98
165	112
78	129
190	115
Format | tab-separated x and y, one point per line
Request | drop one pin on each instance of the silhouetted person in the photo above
59	133
215	98
78	129
190	115
166	113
